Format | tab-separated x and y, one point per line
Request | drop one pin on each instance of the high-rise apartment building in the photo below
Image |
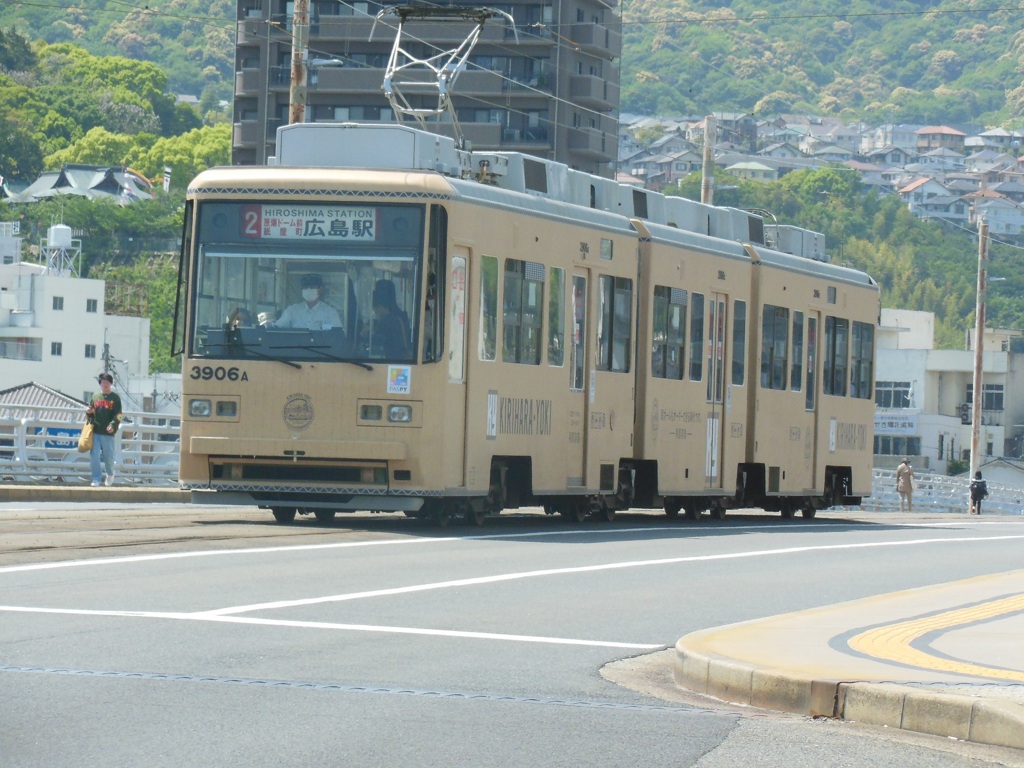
549	87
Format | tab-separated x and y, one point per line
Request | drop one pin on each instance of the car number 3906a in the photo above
220	373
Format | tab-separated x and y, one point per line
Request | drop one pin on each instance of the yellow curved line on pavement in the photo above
893	642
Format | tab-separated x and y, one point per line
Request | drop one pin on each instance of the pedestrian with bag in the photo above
104	413
905	484
979	490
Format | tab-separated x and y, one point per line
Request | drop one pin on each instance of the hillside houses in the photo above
941	172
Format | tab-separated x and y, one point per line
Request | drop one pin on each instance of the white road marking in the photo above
209	617
229	614
584	569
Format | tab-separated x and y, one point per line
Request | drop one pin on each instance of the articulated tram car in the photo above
380	321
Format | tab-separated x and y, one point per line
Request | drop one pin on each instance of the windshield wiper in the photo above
319	351
248	350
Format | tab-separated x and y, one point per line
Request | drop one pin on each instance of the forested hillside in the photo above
191	41
917	61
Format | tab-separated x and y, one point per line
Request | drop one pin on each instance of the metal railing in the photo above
39	444
941	493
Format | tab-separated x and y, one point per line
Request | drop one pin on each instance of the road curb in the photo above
86	494
984	721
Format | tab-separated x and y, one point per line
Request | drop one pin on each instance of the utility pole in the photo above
979	345
300	51
707	179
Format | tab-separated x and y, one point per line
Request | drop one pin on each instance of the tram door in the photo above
576	451
716	390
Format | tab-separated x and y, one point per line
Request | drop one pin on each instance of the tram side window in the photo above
696	336
615	313
669	338
862	360
812	359
556	318
434	317
521	319
796	375
774	346
837	339
487	341
739	342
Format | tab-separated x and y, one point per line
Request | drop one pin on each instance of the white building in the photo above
923	395
54	330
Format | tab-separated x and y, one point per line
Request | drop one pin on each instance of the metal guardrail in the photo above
941	493
39	444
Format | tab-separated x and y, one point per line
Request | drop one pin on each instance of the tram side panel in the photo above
811	429
544	423
691	398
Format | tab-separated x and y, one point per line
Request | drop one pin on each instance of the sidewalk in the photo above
946	660
84	493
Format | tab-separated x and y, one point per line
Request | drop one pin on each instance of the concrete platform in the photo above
946	660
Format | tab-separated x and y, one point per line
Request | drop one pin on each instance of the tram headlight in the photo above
200	409
400	414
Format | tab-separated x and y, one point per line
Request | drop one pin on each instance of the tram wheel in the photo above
605	511
574	511
284	514
787	509
672	507
472	516
718	510
442	516
324	515
808	512
691	511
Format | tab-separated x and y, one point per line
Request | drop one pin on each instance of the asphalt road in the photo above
198	636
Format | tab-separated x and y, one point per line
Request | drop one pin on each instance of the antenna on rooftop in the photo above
408	76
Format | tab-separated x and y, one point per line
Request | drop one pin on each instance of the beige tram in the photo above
379	321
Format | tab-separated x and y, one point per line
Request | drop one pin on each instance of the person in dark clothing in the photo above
390	333
104	412
979	490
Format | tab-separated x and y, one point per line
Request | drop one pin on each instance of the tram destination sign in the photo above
309	222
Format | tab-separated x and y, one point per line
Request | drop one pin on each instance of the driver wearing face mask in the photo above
311	312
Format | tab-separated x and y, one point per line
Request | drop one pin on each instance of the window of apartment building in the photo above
499	64
56	349
893	394
90	350
492	116
897	445
371	60
58	303
581	15
991	396
21	349
249	114
92	305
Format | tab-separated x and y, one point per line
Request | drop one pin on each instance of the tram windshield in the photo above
307	281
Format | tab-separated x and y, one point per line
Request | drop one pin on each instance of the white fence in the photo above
941	493
39	444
